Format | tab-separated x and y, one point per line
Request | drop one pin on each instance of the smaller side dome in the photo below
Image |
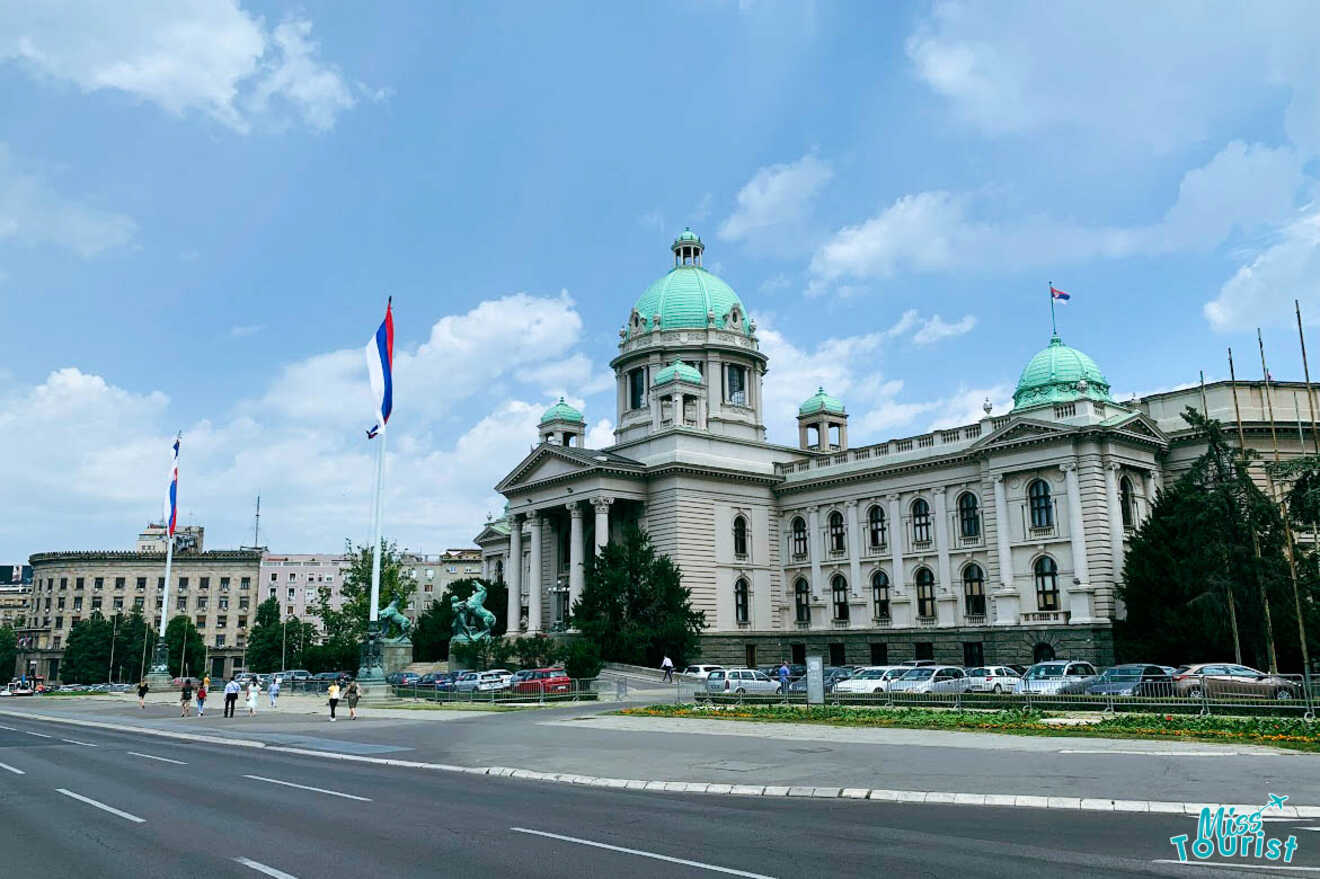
561	411
678	371
821	402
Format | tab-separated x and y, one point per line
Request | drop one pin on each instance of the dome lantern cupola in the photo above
561	424
687	248
824	416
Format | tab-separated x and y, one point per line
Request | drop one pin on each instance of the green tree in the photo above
266	638
346	626
8	653
436	625
581	659
180	633
634	607
130	660
1195	551
87	652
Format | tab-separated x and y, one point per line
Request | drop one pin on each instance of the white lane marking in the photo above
262	868
76	742
1236	866
161	759
319	790
10	728
8	768
40	735
102	806
1133	752
632	851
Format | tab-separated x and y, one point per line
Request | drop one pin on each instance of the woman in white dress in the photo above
252	691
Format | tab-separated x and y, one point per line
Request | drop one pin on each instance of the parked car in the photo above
740	681
1055	676
1224	680
831	676
535	681
916	663
1020	669
496	679
931	679
294	675
1131	679
698	672
992	679
869	679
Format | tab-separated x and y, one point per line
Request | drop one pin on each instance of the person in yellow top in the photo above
333	693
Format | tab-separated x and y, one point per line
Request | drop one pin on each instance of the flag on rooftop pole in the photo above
1056	295
174	488
380	370
169	550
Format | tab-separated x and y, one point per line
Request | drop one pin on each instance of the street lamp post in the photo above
114	633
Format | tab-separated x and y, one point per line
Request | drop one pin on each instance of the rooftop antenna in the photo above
256	528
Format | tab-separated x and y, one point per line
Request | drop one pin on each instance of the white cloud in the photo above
1151	77
776	198
1262	291
33	213
936	329
186	55
242	331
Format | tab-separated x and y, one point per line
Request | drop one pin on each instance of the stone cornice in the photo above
111	555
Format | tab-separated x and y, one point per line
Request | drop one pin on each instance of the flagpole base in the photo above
370	668
158	676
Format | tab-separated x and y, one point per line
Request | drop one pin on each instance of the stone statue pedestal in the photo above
395	657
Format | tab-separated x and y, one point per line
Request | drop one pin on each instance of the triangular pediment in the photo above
1022	429
1138	424
548	461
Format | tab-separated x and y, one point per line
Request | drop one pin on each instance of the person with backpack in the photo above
201	700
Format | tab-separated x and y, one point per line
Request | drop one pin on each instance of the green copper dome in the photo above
821	402
561	411
1059	374
678	370
688	295
688	235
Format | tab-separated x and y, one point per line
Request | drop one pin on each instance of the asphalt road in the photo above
194	809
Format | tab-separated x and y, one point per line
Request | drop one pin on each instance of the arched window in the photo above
875	518
880	594
974	590
920	521
1127	503
839	593
837	541
802	601
1047	584
799	538
741	594
740	536
1042	652
1042	507
499	570
969	516
925	581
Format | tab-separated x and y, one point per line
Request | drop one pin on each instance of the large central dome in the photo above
1060	374
688	295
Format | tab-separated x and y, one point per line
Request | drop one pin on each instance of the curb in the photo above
1013	801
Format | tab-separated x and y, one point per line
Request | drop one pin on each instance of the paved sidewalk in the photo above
586	740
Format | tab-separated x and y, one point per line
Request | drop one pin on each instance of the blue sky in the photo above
204	205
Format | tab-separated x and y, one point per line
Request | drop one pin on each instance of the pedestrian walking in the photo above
185	697
783	677
253	690
667	666
333	693
206	682
231	697
201	701
352	694
142	693
274	690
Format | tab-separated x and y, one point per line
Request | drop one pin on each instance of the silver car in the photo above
992	679
931	679
1056	676
741	680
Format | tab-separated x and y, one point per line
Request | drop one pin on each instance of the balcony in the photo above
882	622
1048	617
974	619
927	622
840	623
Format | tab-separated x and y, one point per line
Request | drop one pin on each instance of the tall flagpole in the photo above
1054	326
160	668
375	533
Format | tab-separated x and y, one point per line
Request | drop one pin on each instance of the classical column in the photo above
1076	529
896	543
942	539
815	547
1113	501
575	553
534	576
1151	484
602	507
854	547
1002	534
513	574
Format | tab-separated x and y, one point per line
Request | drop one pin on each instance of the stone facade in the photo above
998	541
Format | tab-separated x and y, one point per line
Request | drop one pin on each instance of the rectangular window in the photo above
98	582
292	593
736	381
637	388
201	602
141	584
204	583
119	602
879	654
201	621
139	601
64	582
221	621
273	576
924	650
798	653
160	582
224	585
749	655
59	622
119	582
242	602
183	584
180	603
78	583
244	584
223	603
77	603
96	602
973	653
242	622
838	656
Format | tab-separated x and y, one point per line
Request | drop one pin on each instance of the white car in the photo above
740	681
1055	676
871	679
931	679
699	672
992	679
495	679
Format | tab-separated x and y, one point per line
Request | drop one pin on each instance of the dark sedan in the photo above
1132	679
831	675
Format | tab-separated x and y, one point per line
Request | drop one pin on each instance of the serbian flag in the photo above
1056	293
380	367
174	489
